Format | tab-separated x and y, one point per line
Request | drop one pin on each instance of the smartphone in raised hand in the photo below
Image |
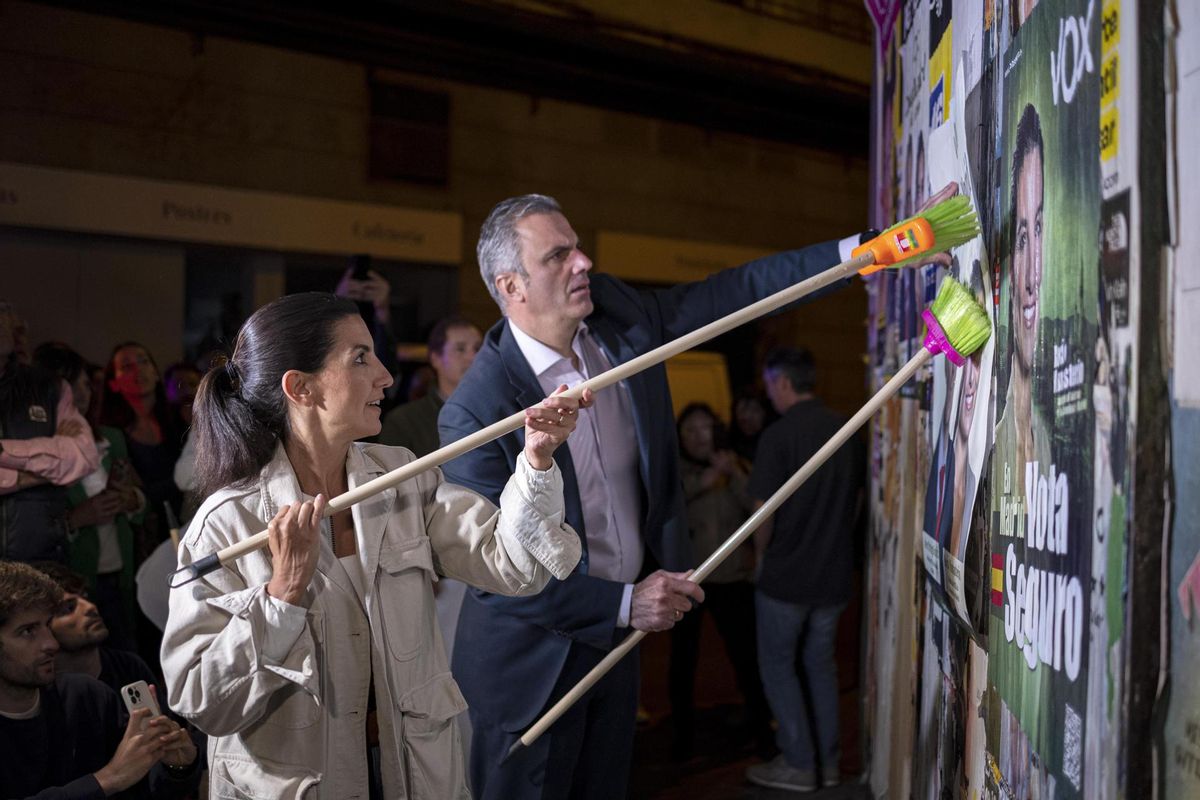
138	695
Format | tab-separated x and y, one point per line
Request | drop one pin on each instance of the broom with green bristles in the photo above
957	325
945	225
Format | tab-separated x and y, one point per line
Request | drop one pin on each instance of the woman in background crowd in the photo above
714	484
103	503
135	402
751	414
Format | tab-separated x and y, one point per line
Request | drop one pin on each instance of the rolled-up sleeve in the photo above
511	550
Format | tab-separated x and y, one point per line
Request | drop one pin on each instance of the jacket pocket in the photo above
293	706
234	778
432	742
406	574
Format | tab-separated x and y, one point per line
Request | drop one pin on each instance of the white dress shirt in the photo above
604	452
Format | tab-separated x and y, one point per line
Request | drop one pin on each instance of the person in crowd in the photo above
316	667
180	381
372	293
805	564
714	488
750	416
96	383
136	404
420	382
21	352
453	343
64	735
45	446
513	657
85	646
184	476
103	505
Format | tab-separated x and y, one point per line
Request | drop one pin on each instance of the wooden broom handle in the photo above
202	566
735	540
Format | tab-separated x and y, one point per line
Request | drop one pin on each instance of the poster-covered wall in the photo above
1001	492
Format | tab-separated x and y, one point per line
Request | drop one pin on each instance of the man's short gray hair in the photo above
499	248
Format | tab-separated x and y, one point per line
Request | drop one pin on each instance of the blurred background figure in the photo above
181	380
373	294
420	383
135	402
104	505
85	643
751	414
453	343
714	488
46	445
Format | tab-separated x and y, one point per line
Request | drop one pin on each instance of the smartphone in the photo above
137	695
360	271
361	267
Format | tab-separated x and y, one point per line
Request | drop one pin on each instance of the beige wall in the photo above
87	92
93	293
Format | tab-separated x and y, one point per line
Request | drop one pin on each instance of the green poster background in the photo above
1039	740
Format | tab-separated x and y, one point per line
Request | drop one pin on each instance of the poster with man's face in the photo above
1041	475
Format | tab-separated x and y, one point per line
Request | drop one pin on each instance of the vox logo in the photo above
1072	59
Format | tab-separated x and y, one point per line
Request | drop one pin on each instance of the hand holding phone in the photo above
138	695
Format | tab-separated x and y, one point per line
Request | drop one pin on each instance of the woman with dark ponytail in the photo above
284	657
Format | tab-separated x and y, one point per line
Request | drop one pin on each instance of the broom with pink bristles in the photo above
957	325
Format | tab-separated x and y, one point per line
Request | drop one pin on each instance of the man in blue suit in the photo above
515	657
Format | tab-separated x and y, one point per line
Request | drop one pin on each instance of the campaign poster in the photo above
1042	473
941	56
941	766
960	420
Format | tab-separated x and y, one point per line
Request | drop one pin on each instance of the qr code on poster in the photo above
1072	742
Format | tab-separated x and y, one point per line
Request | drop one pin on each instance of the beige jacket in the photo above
297	728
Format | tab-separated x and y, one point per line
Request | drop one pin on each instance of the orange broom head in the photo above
947	225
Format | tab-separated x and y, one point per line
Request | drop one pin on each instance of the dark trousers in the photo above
585	755
732	609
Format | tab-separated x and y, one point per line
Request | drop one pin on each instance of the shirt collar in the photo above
541	357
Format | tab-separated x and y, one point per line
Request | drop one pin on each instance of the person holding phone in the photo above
66	732
372	293
317	668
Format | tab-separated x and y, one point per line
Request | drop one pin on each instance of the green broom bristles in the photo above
953	221
964	321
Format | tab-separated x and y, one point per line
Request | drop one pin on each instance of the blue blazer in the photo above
509	651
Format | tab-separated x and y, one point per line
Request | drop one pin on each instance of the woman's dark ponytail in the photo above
240	413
